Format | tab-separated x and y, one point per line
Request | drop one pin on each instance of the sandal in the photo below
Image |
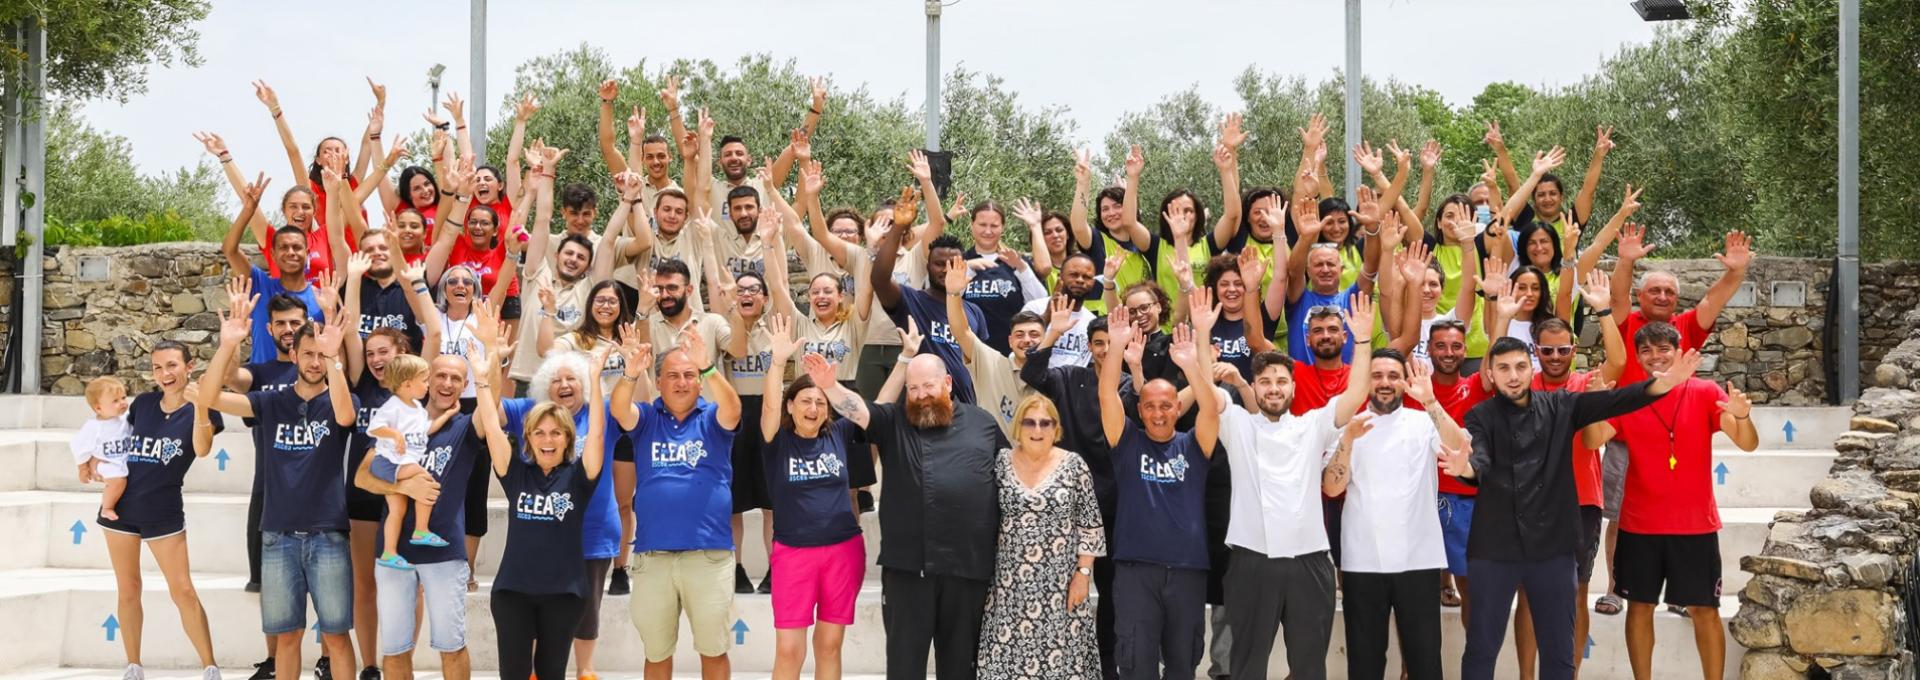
1608	604
1449	597
1677	609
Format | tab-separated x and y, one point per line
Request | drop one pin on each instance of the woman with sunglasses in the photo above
1038	622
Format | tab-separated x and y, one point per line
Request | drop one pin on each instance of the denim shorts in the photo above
1456	519
296	565
444	585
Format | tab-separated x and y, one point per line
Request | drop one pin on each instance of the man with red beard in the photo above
940	526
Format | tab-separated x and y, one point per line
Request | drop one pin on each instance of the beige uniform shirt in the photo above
997	386
570	305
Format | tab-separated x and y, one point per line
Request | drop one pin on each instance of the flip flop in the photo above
1677	609
1608	604
1449	597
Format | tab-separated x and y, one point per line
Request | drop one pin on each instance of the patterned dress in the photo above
1028	631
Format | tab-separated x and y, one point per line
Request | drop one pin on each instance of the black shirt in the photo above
387	307
942	514
1075	390
1528	509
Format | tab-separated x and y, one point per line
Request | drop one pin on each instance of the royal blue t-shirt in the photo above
807	478
683	471
996	291
1297	319
450	456
603	515
159	450
1162	492
931	314
545	552
302	457
267	286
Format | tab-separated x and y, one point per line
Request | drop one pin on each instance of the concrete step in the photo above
70	608
1812	427
41	524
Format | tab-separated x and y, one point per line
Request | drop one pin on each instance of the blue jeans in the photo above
294	565
444	585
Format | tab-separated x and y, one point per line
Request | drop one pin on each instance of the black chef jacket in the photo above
941	514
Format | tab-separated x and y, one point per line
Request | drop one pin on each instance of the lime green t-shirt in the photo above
1449	257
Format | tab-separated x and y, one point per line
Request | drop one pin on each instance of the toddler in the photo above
98	446
400	429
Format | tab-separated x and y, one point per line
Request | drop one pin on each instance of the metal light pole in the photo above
1846	272
24	175
933	75
1353	98
477	39
433	81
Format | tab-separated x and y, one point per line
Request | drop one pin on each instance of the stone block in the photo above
1844	623
1781	566
80	341
1860	441
1869	570
95	363
188	303
1870	424
1756	628
68	385
1759	665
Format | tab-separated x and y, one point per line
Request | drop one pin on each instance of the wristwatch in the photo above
1083	571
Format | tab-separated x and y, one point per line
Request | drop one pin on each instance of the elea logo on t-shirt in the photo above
1234	347
416	441
941	332
1164	471
1006	409
991	288
371	322
834	351
683	454
824	466
568	316
746	265
435	460
543	507
160	450
300	436
751	364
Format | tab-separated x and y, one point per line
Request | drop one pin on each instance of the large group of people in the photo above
1086	455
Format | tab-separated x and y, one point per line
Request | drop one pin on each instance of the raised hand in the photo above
780	339
1182	267
917	165
1182	349
670	97
1419	382
1602	139
1366	203
1082	166
486	322
357	265
1253	268
1633	242
802	144
1030	213
768	227
1429	155
1223	156
236	322
1203	310
1182	225
819	369
1135	161
1681	370
1113	264
526	107
696	347
1402	158
379	94
1493	137
1598	383
636	122
1458	462
1370	159
639	355
1012	257
1630	202
264	92
1570	240
1488	175
630	185
907	209
1598	291
1359	317
1358	426
1136	351
1415	260
456	107
910	338
1546	162
1738	252
545	293
331	334
1059	315
609	90
250	197
1737	403
956	276
1230	133
1494	279
213	143
1120	330
818	86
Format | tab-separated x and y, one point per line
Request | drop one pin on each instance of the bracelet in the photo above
457	224
441	127
814	111
462	127
1741	418
275	111
709	372
628	378
375	136
904	359
226	159
1603	313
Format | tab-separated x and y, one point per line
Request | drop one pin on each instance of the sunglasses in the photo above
1555	350
459	281
1322	310
1037	423
1325	245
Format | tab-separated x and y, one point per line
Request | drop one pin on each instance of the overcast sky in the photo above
315	54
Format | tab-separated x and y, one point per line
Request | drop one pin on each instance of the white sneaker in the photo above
134	672
212	673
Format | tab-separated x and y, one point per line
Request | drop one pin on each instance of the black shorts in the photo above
1589	541
1687	567
510	310
362	505
749	478
146	530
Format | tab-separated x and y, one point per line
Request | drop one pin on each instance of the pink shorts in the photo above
827	577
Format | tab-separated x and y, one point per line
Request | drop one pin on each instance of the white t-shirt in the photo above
1426	329
1389	525
1277	465
457	338
410	420
1072	348
1523	331
101	440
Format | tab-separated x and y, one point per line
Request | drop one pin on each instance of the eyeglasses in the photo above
1037	424
750	289
1555	350
1144	310
605	302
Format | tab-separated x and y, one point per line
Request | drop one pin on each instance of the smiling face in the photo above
1159	409
379	253
751	292
1037	428
1110	213
311	362
449	379
656	157
670	214
1447	349
378	351
808	409
987	227
1512	375
1555	348
1097	343
580	220
550	439
421	191
679	380
1054	232
1540	249
458	286
744	211
1273	390
481	226
1389	384
290	251
1659	296
846	229
574	261
332	153
170	369
1257	216
1144	310
1327	335
297	205
1334	227
486	186
1546	198
1528	287
1431	286
824	296
1323	267
282	325
606	307
567	390
1656	357
1025	337
929	392
671	291
1231	290
734	160
410	231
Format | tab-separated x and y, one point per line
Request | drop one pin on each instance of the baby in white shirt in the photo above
400	429
98	447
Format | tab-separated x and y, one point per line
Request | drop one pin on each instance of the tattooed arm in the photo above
1339	471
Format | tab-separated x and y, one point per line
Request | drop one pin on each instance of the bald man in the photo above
940	525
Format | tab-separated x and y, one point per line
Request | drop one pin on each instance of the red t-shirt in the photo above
1314	388
319	252
1586	461
1457	399
1692	336
486	263
1670	465
427	215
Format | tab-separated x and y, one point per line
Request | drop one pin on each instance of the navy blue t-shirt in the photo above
450	456
545	553
602	526
387	307
1162	514
159	450
1230	335
807	478
270	376
931	314
996	291
371	396
302	458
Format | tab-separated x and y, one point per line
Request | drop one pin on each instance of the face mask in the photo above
1483	215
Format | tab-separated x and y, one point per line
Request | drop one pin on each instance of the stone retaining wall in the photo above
143	294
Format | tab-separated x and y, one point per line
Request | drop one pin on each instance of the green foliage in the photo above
119	230
90	180
103	48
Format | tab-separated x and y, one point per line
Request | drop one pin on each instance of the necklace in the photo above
1673	459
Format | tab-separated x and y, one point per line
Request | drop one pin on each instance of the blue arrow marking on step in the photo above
739	632
222	457
316	635
1720	474
1588	654
112	625
78	529
1788	428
